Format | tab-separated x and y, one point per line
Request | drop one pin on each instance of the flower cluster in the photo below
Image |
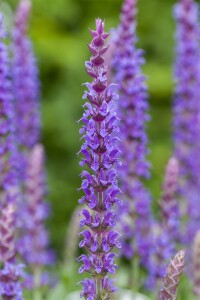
33	245
132	111
26	86
11	272
172	277
186	108
100	182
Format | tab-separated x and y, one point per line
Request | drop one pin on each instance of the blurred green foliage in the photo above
59	30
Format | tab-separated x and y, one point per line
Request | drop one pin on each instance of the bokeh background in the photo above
59	30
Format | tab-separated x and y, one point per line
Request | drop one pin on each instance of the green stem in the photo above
37	278
135	274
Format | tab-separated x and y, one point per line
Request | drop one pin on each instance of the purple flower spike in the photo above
26	86
167	233
132	111
100	155
186	111
7	229
172	277
33	245
8	167
11	273
169	204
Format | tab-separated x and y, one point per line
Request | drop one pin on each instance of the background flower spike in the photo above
172	277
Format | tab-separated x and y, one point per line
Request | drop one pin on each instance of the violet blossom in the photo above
100	180
132	112
186	111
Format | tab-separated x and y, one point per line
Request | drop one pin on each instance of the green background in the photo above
59	30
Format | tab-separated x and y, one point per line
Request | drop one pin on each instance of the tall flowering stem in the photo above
100	181
169	204
132	111
34	243
8	167
26	86
186	109
172	277
168	229
11	272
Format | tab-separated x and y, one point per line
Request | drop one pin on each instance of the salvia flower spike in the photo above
186	109
172	277
100	155
168	227
132	112
169	204
26	86
8	167
34	243
11	272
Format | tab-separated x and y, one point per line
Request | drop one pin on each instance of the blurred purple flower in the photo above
170	217
34	243
100	155
172	277
186	111
166	231
132	111
26	86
